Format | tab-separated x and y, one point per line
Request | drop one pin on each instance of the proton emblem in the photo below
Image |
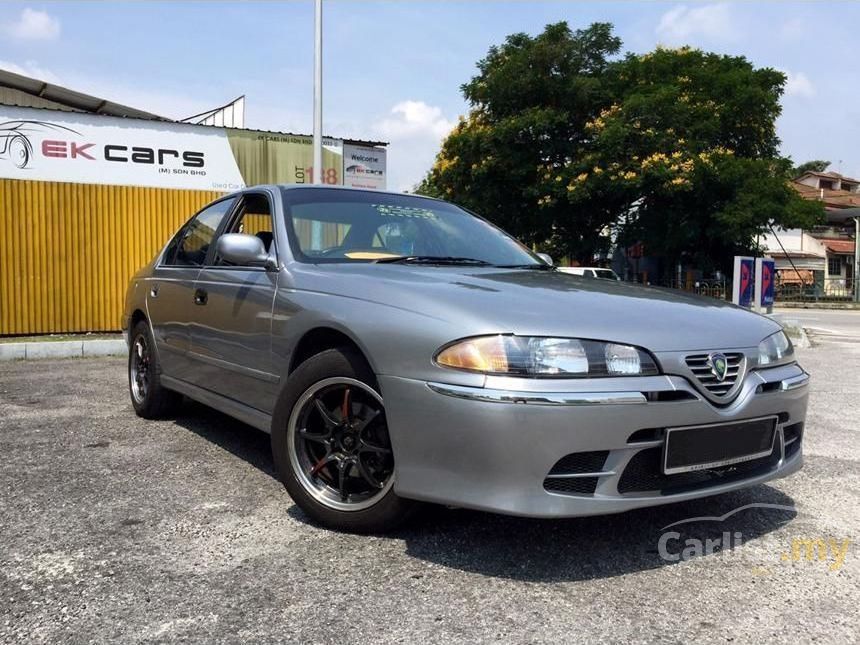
719	366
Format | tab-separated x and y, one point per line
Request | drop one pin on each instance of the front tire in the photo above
151	400
331	447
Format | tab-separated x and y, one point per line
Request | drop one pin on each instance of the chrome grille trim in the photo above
707	382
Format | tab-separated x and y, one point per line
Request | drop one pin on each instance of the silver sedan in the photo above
400	349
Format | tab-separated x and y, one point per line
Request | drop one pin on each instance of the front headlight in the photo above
776	348
538	356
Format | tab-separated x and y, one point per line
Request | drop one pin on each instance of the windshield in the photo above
332	225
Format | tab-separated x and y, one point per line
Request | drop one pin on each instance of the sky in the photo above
392	70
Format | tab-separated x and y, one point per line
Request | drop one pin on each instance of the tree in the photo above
529	105
674	148
692	136
816	165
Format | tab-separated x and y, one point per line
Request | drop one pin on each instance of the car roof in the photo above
335	187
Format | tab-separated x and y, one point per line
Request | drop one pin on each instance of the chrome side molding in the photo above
539	398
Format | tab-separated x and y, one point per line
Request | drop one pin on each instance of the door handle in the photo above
200	296
153	291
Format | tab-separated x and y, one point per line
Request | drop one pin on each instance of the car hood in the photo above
547	303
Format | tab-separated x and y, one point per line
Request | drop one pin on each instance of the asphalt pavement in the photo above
115	529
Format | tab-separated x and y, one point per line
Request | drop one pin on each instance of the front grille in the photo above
576	463
700	366
580	462
644	473
572	485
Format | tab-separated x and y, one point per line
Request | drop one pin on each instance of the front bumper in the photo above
494	447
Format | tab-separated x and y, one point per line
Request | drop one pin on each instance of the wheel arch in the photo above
321	338
136	316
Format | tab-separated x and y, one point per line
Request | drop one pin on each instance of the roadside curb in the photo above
32	350
847	306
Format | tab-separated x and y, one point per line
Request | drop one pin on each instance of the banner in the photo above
276	158
50	145
743	281
363	166
764	283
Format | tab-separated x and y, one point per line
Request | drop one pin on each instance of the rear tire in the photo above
151	400
330	445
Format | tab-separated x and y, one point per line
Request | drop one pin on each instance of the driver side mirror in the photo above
546	258
242	250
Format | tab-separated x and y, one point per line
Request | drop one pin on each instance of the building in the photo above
90	190
820	262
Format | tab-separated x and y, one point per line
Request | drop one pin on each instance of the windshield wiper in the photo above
532	267
432	259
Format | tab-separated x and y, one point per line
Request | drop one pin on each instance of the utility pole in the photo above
856	259
318	162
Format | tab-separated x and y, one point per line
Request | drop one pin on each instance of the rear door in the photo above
170	289
231	336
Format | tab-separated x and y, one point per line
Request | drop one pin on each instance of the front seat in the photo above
266	237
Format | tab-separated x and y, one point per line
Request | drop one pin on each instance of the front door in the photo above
231	337
170	289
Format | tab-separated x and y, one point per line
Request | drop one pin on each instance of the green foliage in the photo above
530	103
675	148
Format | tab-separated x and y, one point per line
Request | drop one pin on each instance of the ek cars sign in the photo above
48	145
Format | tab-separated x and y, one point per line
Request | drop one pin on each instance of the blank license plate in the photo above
721	444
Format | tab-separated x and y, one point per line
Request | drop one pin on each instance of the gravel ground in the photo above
116	529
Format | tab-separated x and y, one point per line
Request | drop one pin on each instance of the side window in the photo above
197	236
253	217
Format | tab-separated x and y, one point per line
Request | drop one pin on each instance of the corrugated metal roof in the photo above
77	101
843	247
29	92
13	96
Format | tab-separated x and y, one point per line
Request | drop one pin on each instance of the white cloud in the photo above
681	24
416	118
30	68
415	131
32	25
798	84
793	29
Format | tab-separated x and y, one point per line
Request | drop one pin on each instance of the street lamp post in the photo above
318	162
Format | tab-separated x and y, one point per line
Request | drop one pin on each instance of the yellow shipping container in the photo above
67	250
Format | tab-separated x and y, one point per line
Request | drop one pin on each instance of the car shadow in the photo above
239	439
586	548
537	550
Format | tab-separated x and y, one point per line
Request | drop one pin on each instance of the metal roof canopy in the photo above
77	101
80	102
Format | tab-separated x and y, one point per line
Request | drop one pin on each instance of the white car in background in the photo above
591	272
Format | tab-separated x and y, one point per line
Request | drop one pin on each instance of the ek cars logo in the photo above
18	145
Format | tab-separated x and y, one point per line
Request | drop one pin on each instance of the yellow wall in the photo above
67	251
